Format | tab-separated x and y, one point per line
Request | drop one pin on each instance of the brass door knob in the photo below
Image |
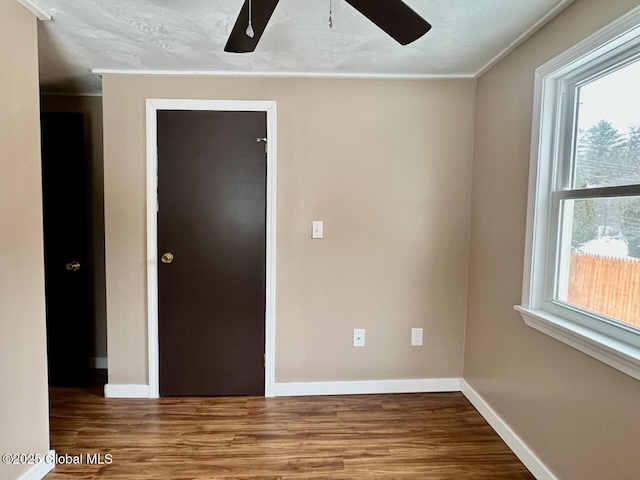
167	257
73	266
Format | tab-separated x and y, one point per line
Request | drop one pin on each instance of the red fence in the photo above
609	286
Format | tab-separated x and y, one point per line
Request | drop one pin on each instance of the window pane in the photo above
599	264
608	142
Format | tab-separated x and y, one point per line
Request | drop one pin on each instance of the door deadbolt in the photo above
73	266
167	257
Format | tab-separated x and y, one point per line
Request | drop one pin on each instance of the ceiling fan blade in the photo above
395	17
261	11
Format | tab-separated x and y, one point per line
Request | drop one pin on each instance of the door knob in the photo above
167	257
73	266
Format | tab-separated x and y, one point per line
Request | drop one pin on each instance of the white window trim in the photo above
607	43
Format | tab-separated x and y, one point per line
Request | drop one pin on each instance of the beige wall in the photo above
385	164
24	415
91	107
579	415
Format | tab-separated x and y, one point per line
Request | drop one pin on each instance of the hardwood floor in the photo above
405	436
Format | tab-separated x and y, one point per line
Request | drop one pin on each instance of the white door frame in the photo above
153	105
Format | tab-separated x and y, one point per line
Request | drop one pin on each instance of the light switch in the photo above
358	337
317	229
416	337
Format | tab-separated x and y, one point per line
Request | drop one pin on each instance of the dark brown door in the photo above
64	185
212	221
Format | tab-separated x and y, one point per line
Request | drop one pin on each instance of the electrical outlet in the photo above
358	337
416	337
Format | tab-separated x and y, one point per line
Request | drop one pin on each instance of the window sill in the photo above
614	353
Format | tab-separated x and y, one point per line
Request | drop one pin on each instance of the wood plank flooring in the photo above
407	436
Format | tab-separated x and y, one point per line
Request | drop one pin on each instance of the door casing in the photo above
153	105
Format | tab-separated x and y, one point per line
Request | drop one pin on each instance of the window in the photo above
582	275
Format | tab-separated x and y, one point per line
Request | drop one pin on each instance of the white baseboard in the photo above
40	469
513	441
98	362
418	385
112	390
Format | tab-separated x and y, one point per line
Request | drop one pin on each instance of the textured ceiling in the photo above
190	35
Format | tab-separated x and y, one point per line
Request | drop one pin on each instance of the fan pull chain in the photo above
330	14
249	30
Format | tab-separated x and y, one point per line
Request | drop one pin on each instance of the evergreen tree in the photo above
599	153
632	147
585	222
602	139
631	226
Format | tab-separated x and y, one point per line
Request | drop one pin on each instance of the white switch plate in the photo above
416	337
317	230
358	337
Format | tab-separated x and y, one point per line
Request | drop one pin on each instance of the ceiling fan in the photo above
395	17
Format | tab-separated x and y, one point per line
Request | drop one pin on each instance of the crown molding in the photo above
36	9
213	73
526	35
